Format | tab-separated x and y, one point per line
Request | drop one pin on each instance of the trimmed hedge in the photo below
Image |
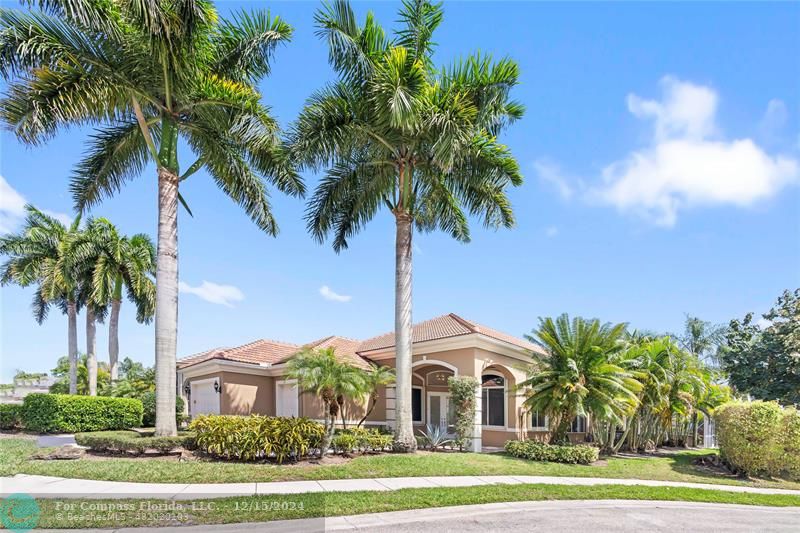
65	413
255	437
360	439
539	451
131	442
10	415
149	405
759	438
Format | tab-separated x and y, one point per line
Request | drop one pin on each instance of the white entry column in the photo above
391	420
476	444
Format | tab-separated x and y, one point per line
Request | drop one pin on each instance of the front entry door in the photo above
441	411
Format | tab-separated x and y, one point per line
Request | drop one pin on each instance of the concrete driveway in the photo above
566	516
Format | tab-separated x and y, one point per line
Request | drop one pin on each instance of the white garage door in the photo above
205	400
286	398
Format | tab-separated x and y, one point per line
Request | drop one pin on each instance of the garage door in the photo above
205	400
286	400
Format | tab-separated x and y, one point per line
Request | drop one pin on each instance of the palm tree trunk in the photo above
373	402
91	350
72	346
404	440
166	302
113	331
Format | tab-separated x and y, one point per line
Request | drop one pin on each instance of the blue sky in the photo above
661	148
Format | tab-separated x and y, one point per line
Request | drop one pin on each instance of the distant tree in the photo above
134	379
702	339
62	384
765	362
21	374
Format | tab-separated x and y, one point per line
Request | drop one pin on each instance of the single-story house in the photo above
252	379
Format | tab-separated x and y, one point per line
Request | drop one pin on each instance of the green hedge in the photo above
254	437
10	415
149	405
65	413
759	438
361	440
132	442
539	451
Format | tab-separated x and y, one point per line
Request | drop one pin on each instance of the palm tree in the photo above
376	377
331	380
395	132
579	374
121	263
44	253
151	73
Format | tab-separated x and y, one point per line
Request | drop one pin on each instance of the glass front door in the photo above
441	411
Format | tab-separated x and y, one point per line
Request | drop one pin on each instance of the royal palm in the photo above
394	132
45	253
126	264
151	73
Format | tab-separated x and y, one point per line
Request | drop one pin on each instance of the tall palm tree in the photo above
395	132
321	373
121	263
579	375
44	253
150	73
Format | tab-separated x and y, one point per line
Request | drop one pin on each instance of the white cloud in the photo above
550	173
687	164
329	294
12	208
763	323
551	231
775	118
211	292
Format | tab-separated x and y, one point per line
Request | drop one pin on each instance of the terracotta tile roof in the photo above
343	347
258	352
265	351
444	327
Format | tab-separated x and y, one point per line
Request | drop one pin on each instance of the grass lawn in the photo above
93	513
14	455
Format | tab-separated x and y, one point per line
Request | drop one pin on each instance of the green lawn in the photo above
14	459
61	514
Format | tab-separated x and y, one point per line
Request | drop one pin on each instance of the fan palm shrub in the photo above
579	373
331	380
151	73
395	132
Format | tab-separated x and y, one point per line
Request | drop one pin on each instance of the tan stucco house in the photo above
252	379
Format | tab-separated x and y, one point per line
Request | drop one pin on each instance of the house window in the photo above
493	395
438	378
538	421
416	404
578	424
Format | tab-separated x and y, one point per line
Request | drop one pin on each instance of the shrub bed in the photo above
254	437
48	413
539	451
132	442
10	415
759	438
360	440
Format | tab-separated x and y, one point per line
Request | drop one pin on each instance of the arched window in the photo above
493	394
578	424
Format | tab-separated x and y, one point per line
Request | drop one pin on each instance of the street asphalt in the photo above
557	516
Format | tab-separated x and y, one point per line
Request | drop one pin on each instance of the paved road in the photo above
566	516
